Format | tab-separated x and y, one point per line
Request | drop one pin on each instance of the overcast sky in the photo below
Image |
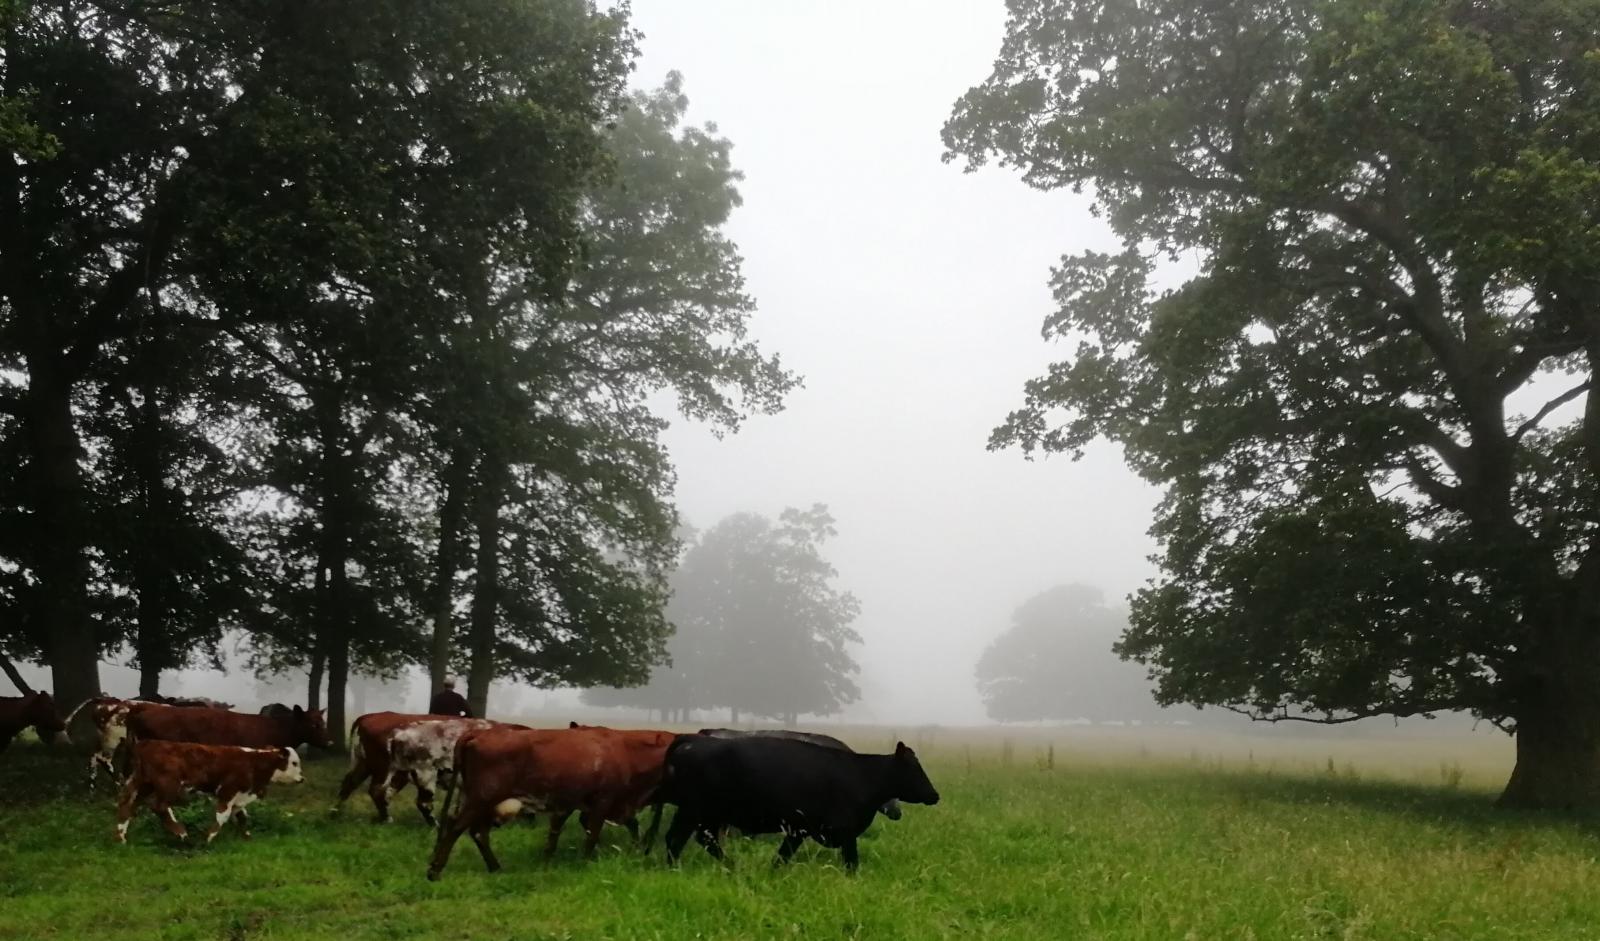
910	296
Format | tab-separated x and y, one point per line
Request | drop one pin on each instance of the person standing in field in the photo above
448	702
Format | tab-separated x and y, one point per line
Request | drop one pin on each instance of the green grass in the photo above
1088	849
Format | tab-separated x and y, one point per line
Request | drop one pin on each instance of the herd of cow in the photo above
802	785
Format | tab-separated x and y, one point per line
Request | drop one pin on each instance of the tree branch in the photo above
15	677
1551	406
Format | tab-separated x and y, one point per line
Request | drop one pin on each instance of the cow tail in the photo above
72	717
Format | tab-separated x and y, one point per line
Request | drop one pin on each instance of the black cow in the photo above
762	784
890	810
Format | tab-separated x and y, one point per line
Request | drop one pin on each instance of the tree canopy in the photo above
339	325
1055	662
1371	408
759	626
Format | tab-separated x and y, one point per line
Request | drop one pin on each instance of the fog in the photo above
909	295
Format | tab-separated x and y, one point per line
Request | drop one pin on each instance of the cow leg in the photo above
379	790
708	839
632	826
557	821
595	824
243	820
132	793
678	834
480	836
353	777
852	859
449	833
163	810
791	842
424	781
227	807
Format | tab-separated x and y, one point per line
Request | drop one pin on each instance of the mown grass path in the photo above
1145	852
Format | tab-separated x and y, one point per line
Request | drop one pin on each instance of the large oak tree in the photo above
1372	407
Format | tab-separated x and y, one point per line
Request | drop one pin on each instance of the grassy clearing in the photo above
1208	846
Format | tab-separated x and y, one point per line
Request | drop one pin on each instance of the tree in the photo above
1056	662
1394	206
569	489
283	185
762	628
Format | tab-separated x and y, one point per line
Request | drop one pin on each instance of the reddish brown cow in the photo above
35	709
647	756
502	771
221	727
166	773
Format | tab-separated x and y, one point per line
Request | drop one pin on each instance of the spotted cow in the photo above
420	752
167	773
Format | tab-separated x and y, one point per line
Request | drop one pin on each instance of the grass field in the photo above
1102	842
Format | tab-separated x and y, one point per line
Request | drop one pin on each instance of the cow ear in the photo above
298	712
572	725
901	749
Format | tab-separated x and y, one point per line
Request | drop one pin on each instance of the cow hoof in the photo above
433	875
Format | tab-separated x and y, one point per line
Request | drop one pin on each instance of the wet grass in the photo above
1083	849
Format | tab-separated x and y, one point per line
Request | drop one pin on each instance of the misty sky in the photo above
910	296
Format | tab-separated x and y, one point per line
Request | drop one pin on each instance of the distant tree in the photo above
759	627
1394	207
1055	661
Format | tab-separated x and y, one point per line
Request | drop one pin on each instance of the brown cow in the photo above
35	709
647	754
221	727
165	773
502	771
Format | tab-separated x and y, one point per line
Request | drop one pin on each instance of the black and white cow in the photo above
761	784
890	809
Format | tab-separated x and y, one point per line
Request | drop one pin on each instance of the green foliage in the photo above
1055	662
1394	212
278	286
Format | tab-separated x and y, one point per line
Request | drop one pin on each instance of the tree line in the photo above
337	323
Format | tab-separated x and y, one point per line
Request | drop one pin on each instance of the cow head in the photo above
310	726
911	783
289	772
40	712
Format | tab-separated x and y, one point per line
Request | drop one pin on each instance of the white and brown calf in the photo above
168	773
420	752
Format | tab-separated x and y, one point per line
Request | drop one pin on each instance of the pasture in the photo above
1119	836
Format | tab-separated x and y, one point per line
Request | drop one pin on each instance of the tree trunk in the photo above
1558	756
15	677
486	588
60	532
319	660
447	562
154	647
338	676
